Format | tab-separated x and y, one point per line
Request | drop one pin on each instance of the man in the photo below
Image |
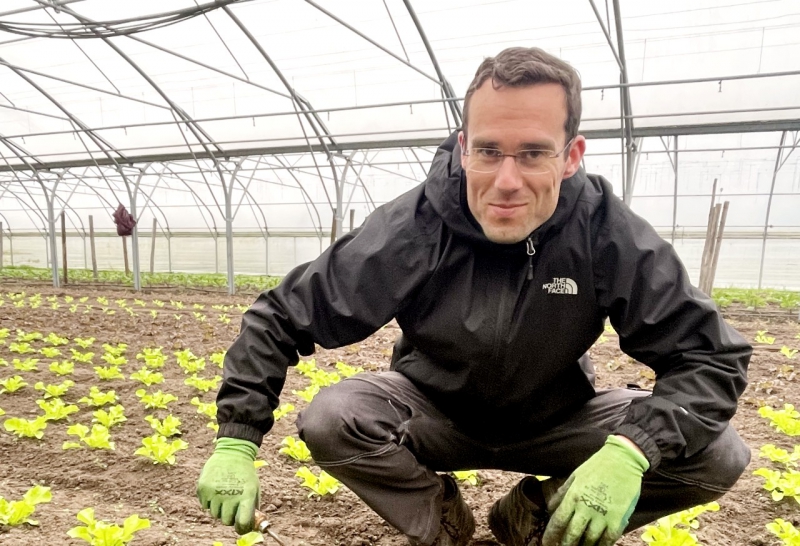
500	270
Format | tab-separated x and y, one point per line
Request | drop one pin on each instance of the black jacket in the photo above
492	335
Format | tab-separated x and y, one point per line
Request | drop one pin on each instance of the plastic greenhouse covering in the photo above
238	130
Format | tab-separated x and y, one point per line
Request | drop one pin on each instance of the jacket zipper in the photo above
531	251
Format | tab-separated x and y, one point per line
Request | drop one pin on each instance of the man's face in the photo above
509	204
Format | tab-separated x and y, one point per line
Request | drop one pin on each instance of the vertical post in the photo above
675	192
64	244
352	218
91	245
51	232
769	206
1	246
720	230
333	227
153	247
169	249
707	244
125	255
266	251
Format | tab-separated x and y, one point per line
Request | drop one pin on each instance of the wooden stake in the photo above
125	255
333	227
704	258
1	246
352	218
153	247
91	244
710	280
64	244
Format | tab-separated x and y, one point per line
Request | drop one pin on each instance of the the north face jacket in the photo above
491	333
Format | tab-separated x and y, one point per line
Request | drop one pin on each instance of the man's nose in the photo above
508	177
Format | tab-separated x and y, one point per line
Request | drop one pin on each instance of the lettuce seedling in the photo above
218	358
54	391
785	531
25	428
84	343
788	353
467	476
156	400
308	393
113	360
785	420
209	409
55	340
250	539
158	303
159	450
98	438
203	385
64	367
213	426
166	427
56	409
20	347
192	366
108	372
223	318
200	317
780	456
306	367
28	337
296	449
100	533
27	365
148	352
115	350
176	304
781	484
12	384
321	485
674	530
321	378
347	370
97	398
49	352
102	301
3	362
78	356
2	412
147	377
282	411
114	416
19	512
4	333
762	337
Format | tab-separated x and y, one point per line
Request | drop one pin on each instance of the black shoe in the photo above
457	523
520	517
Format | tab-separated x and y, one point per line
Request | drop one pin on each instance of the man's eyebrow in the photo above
541	145
481	143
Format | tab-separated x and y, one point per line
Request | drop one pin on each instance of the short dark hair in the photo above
523	66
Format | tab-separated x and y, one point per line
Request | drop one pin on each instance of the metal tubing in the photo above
769	207
51	232
92	246
64	245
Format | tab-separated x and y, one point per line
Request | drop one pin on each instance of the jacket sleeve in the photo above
356	286
666	323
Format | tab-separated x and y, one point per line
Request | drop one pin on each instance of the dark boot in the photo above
520	517
457	523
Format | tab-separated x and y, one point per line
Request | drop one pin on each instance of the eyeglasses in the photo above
488	160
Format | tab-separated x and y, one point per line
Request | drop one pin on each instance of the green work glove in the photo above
594	505
228	484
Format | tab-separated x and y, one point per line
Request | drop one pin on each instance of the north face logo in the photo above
561	285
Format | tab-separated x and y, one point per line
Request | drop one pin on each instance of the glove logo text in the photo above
229	492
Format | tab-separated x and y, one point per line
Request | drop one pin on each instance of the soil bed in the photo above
118	483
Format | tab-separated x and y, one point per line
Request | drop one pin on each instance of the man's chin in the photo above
505	235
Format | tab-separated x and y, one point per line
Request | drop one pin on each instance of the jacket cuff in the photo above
240	431
641	439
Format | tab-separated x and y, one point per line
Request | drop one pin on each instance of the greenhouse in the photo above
244	137
199	235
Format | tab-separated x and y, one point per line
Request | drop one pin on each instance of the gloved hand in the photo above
228	484
594	505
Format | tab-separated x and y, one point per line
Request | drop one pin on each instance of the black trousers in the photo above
381	437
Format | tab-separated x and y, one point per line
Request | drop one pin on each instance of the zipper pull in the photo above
531	252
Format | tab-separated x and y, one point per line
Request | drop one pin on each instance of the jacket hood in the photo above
446	189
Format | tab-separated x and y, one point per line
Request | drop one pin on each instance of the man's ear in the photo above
462	143
575	156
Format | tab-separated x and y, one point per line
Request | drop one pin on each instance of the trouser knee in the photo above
341	423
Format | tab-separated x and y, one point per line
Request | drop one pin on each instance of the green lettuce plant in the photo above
785	420
282	411
78	356
148	377
54	391
160	450
156	400
166	427
675	529
106	373
467	476
26	337
217	358
321	485
24	428
295	449
114	416
762	337
348	371
12	384
55	409
308	393
788	353
27	365
208	409
18	512
788	534
84	343
55	340
65	367
115	350
114	360
203	385
49	352
96	438
20	347
101	533
98	398
250	539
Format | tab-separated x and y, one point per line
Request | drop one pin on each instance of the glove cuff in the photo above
635	457
236	445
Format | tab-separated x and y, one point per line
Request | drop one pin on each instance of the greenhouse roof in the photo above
96	82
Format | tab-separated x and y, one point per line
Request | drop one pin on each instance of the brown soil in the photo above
118	483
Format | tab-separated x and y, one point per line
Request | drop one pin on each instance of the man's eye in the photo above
532	154
487	152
